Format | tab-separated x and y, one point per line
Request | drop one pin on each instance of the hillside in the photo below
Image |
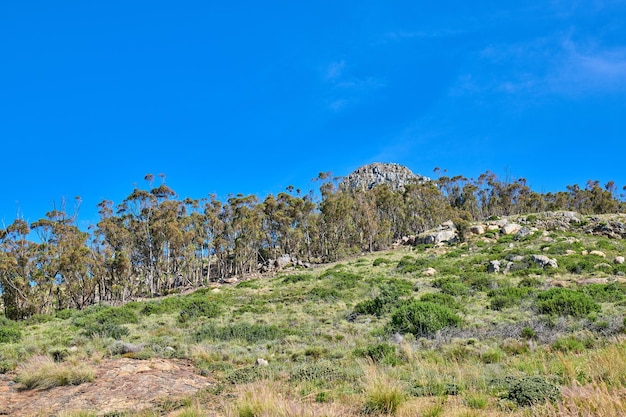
518	316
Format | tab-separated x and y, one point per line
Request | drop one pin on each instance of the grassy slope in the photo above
327	359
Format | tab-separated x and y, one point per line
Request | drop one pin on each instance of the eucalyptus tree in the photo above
65	262
16	271
245	232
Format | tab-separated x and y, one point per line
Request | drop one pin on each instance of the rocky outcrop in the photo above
283	261
368	176
445	233
543	261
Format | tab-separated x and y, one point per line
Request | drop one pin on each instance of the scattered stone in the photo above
429	272
590	281
493	267
598	253
584	253
511	228
523	232
477	229
261	362
618	260
397	338
493	228
544	261
570	252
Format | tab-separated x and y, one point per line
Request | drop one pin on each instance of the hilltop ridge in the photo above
368	176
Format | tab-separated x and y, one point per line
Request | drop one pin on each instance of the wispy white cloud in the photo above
546	66
345	89
334	70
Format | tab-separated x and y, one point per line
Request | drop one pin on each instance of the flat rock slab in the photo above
119	385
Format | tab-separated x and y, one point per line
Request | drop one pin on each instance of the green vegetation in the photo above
373	335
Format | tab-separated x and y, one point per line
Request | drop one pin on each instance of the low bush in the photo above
579	264
573	344
341	280
442	299
248	332
380	353
451	286
198	307
605	293
380	261
318	371
422	319
408	264
565	302
531	390
247	375
323	293
507	297
292	279
390	294
10	333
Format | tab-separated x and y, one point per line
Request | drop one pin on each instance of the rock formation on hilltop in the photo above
368	176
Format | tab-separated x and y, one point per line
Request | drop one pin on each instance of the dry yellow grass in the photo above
43	373
586	401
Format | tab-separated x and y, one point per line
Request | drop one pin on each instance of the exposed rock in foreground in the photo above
368	176
120	385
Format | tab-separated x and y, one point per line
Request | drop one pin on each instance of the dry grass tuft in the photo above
588	400
43	373
265	399
383	394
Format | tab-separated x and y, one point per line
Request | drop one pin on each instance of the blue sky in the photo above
250	97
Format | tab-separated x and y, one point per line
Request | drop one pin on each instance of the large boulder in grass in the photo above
544	262
511	228
445	233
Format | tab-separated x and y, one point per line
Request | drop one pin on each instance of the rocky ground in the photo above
119	385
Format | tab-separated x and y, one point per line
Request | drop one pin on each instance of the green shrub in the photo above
479	281
531	390
318	371
10	334
565	302
105	321
528	333
579	264
530	282
292	279
445	300
380	353
433	388
322	293
605	293
507	297
573	344
390	294
341	280
199	307
106	329
409	264
247	374
248	332
422	318
451	286
380	261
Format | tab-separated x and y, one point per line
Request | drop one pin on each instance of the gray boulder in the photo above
543	261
